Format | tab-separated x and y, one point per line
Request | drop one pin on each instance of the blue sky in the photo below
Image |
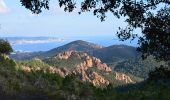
15	20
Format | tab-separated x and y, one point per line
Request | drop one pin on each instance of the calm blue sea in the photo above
37	47
32	47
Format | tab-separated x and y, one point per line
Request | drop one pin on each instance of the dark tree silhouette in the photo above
151	16
5	47
161	75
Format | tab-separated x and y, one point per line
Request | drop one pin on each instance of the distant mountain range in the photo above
104	53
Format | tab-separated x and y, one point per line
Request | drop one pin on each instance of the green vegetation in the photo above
17	83
30	80
138	67
115	53
78	45
69	63
109	76
5	47
34	63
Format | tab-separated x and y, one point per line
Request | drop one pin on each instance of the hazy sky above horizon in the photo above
15	20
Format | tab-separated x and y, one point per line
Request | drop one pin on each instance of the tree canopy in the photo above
5	47
152	17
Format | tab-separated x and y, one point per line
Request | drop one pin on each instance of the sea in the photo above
35	44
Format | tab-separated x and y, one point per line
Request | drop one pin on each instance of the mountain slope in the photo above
120	58
35	80
88	68
115	53
78	45
138	66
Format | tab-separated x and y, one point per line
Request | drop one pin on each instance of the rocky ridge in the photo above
81	68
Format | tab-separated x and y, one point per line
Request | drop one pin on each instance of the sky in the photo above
16	20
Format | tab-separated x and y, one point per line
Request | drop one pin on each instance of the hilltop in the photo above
88	68
78	45
106	54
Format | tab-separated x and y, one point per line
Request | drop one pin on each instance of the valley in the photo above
71	70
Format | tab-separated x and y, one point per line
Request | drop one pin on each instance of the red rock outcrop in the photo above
82	72
123	77
99	80
64	55
81	69
93	62
26	69
89	61
56	71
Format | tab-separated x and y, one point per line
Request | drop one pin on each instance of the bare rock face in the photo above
89	61
65	71
123	77
99	80
83	68
100	65
94	77
56	71
82	72
26	69
94	62
64	55
103	67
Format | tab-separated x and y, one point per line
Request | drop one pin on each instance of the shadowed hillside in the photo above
115	53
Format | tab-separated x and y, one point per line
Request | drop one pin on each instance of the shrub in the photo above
160	74
5	47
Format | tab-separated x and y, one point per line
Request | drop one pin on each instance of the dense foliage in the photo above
5	47
160	74
115	53
17	84
137	66
67	63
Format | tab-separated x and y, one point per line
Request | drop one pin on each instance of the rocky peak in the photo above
80	68
87	60
64	55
